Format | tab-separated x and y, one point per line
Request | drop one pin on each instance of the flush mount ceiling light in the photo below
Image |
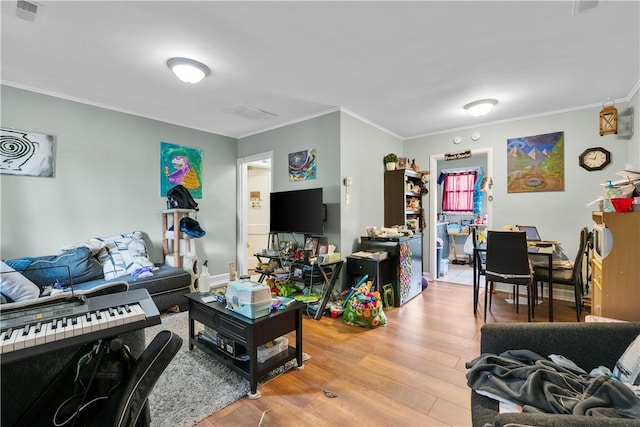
188	70
480	107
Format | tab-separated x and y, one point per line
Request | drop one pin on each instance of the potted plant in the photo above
390	161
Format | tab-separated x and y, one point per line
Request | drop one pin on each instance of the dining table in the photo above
544	252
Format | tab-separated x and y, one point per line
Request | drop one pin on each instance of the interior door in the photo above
435	197
254	187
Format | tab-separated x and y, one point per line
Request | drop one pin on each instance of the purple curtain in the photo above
457	192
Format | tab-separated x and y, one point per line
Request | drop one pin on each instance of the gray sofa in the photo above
93	263
589	345
167	286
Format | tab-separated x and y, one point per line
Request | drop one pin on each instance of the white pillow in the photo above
122	254
15	286
627	368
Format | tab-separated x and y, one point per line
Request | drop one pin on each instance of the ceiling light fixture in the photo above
480	107
188	70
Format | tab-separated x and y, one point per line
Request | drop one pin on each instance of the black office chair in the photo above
572	277
508	262
131	408
126	407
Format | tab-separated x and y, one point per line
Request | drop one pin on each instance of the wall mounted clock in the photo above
594	159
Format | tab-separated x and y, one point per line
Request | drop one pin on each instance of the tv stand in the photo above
329	271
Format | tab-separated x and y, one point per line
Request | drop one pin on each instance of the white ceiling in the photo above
407	67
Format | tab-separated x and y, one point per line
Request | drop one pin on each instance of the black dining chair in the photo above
508	262
479	266
569	277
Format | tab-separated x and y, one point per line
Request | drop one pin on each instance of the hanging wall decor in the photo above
180	165
535	163
26	153
255	202
608	119
302	165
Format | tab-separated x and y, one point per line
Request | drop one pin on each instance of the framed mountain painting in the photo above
535	163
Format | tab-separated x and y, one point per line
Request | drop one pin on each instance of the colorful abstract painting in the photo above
180	165
26	153
535	163
302	165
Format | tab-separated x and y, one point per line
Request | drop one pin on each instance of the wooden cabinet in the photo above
403	199
616	278
171	234
596	288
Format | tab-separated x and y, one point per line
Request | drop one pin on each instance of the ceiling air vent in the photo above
26	10
249	112
580	6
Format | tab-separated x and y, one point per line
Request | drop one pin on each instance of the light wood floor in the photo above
409	373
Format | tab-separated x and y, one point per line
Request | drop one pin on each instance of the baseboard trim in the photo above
562	294
219	279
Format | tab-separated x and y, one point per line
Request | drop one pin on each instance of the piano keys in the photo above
36	330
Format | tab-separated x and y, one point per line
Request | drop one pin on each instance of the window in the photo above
457	191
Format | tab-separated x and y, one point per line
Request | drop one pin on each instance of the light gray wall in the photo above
107	180
321	133
558	215
107	174
362	148
632	117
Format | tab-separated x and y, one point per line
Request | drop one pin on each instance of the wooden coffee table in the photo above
249	333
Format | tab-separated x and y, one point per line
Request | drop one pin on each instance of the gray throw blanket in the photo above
540	385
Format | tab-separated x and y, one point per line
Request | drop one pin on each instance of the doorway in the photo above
436	163
254	188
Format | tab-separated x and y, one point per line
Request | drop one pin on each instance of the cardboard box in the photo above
275	347
250	299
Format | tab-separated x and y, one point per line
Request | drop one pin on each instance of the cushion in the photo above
14	287
122	254
627	368
74	266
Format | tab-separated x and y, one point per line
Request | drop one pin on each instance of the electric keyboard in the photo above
35	330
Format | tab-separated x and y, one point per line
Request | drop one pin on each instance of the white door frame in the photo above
242	207
433	201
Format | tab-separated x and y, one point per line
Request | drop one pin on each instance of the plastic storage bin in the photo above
250	299
275	347
444	267
439	250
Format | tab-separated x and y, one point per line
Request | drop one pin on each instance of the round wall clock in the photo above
594	159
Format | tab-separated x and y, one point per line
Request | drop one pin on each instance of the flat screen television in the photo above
298	211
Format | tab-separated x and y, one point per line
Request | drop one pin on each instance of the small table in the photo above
377	270
533	251
250	333
452	244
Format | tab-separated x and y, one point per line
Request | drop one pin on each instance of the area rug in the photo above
194	385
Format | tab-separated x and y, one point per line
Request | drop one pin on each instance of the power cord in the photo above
262	417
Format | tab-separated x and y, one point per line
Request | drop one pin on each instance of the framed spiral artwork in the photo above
27	153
